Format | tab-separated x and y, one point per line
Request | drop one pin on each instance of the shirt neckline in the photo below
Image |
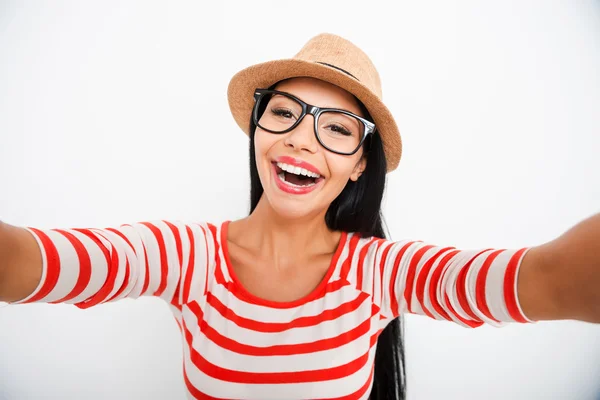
280	304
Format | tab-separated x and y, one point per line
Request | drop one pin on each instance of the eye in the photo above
282	112
339	129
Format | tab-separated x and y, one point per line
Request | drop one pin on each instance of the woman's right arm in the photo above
91	266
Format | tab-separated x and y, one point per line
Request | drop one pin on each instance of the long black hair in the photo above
358	209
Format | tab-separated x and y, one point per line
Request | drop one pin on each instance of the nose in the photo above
302	137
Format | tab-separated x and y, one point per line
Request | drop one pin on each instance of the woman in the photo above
302	298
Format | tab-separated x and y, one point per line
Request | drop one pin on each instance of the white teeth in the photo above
297	170
282	177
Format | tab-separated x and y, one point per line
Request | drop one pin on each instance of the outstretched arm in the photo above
561	279
556	280
91	266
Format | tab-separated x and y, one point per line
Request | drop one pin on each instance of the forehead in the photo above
320	93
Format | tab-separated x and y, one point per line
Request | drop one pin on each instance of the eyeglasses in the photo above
339	131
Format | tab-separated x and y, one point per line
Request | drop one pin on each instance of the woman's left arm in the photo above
561	279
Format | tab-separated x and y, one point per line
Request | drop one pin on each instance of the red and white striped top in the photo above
239	346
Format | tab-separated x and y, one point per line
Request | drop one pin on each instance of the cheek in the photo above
263	142
341	168
261	146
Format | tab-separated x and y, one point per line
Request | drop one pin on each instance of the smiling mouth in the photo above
296	176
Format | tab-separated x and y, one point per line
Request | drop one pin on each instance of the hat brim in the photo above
240	95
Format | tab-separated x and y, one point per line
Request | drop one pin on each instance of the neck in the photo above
282	239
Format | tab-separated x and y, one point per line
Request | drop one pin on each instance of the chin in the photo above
290	209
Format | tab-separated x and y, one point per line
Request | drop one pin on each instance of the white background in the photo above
115	112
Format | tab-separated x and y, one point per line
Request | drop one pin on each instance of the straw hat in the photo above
330	58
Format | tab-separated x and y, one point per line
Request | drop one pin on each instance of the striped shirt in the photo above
239	346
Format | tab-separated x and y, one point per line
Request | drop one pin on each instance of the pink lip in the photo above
298	163
291	189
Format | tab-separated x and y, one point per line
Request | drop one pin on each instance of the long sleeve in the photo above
91	266
468	287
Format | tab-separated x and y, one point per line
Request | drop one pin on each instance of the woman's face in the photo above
292	196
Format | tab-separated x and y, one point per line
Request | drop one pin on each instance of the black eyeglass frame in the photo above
315	112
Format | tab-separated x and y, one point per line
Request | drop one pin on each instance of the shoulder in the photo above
356	240
169	232
361	249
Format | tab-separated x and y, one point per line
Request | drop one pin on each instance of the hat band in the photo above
338	68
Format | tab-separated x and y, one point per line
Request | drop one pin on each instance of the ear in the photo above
359	168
